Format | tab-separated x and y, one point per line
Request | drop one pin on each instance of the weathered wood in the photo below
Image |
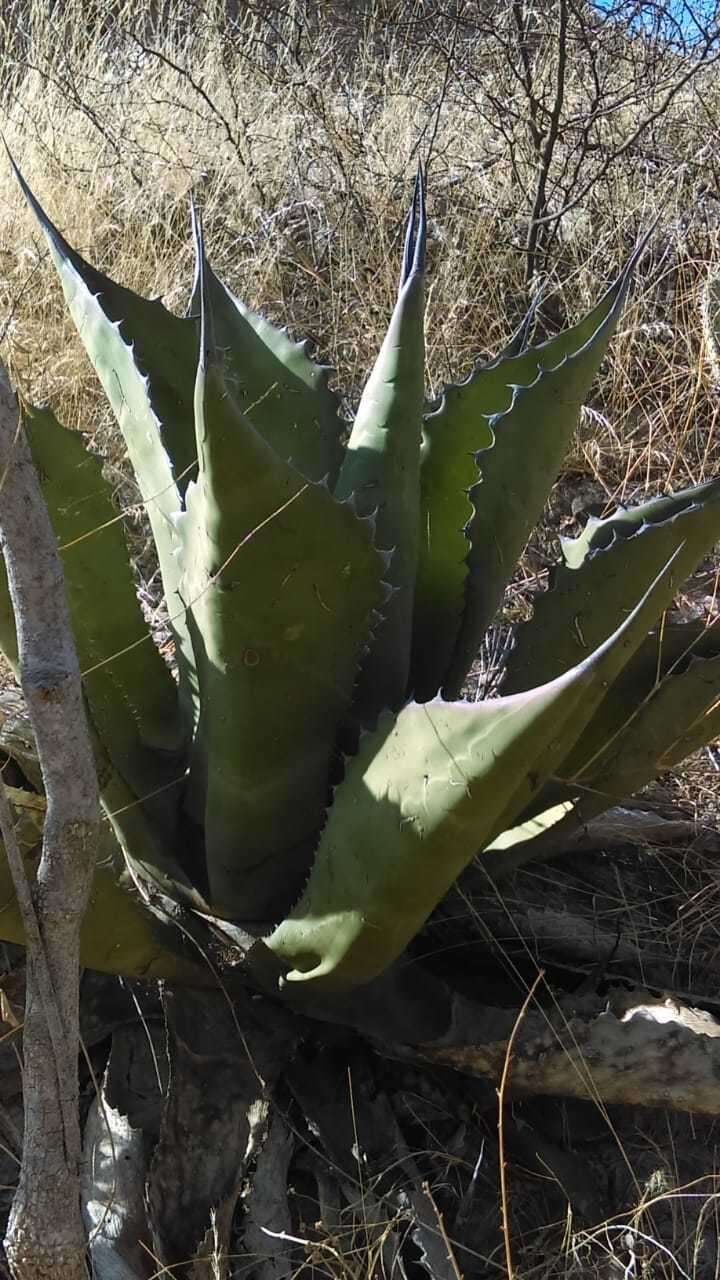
639	1050
225	1057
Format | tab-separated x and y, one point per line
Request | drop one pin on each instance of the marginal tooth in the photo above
351	502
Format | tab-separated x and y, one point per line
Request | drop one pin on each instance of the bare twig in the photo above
548	149
502	1089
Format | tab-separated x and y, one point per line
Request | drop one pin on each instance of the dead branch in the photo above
641	1050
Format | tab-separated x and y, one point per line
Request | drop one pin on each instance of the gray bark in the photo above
45	1236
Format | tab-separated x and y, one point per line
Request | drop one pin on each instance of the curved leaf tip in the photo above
415	232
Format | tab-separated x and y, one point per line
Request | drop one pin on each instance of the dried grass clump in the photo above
297	132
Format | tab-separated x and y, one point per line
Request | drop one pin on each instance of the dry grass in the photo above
302	162
300	142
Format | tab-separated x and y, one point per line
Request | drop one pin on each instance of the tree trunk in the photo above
45	1237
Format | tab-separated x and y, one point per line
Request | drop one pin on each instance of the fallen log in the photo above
637	1050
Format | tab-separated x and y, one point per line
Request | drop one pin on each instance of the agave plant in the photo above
307	767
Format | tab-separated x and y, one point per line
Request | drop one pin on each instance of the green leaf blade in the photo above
280	580
129	391
274	382
118	933
649	723
131	692
663	706
491	452
131	697
592	590
381	472
427	789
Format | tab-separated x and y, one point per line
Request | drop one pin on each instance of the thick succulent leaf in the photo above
381	471
149	857
490	454
677	656
663	706
592	590
132	696
280	580
428	788
144	832
162	346
284	393
519	341
650	720
681	715
144	829
665	653
118	933
160	447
